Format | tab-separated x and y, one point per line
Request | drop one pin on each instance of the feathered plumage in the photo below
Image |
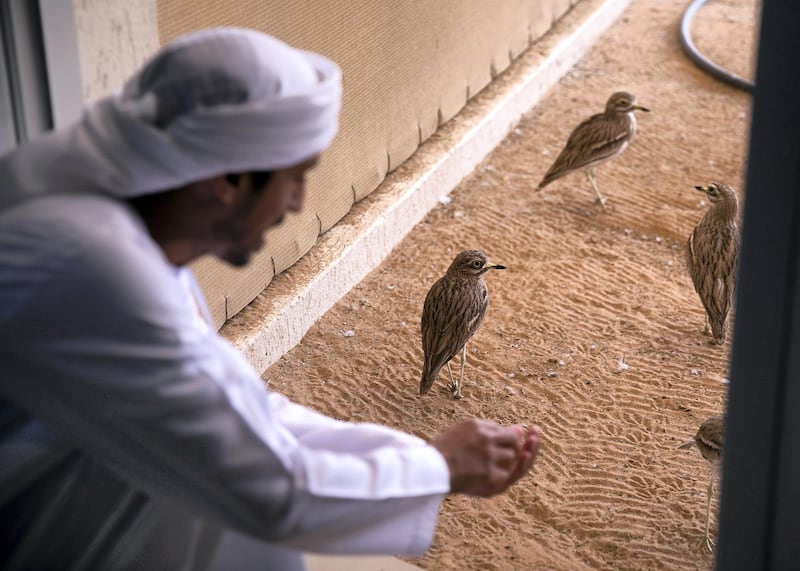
596	140
712	256
709	440
454	309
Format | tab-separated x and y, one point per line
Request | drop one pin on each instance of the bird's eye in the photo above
477	264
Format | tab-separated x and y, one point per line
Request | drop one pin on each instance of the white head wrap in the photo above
219	101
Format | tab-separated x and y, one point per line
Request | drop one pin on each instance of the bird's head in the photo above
719	192
472	263
623	102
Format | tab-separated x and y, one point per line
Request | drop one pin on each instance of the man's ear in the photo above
227	193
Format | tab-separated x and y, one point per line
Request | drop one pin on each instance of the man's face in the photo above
240	233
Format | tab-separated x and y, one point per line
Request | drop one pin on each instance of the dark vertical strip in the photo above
755	489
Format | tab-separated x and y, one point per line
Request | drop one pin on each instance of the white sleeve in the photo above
341	456
101	348
310	425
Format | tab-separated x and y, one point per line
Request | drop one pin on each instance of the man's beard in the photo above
233	251
237	259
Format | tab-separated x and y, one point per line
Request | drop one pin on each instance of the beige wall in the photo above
114	38
408	66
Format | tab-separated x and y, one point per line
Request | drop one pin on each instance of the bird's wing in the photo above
450	317
691	259
595	139
714	257
733	259
725	272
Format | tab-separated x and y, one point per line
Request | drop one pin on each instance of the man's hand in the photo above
485	458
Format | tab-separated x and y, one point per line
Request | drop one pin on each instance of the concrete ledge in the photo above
363	563
278	318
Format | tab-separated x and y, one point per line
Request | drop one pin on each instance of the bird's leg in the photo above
452	383
706	540
461	376
455	387
600	198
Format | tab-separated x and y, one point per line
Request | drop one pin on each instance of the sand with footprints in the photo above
593	332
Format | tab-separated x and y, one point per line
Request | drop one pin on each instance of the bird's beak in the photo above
491	266
700	188
641	108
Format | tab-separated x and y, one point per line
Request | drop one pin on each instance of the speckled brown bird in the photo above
709	441
596	140
712	255
453	311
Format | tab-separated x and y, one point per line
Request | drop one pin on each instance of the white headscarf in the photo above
219	101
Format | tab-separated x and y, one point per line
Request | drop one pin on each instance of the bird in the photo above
712	254
709	441
454	308
597	139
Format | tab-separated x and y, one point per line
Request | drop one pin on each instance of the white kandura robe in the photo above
130	431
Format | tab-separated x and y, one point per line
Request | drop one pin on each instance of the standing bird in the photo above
712	254
599	138
709	441
453	311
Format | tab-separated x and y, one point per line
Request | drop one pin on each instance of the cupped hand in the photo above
485	458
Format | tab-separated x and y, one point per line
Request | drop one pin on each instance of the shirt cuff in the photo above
423	534
439	471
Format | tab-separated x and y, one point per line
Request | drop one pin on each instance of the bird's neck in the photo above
632	121
724	210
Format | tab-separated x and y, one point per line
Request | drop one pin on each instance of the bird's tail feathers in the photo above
427	380
547	179
719	331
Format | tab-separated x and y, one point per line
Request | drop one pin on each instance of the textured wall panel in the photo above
408	66
114	39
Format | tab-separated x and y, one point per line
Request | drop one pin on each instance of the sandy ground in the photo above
583	290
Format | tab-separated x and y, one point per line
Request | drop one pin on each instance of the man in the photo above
131	434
